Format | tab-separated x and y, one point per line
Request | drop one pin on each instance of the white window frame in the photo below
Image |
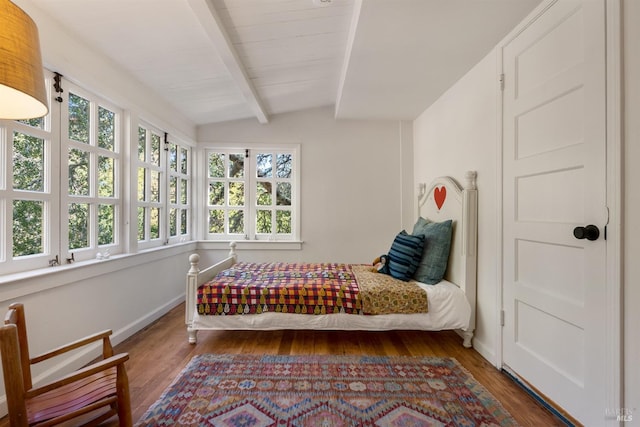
146	203
93	249
250	207
50	196
164	204
179	206
55	197
56	176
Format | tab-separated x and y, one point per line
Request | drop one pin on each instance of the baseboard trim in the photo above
133	327
560	414
484	350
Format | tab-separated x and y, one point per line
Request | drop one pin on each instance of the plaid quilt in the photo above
304	288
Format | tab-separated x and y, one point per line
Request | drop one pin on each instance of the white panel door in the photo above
554	181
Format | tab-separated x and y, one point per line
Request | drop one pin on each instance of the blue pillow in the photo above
404	255
437	245
419	225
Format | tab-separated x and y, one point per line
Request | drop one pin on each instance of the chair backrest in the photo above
15	316
103	384
16	367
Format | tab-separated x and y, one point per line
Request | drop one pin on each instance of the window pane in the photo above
141	223
173	157
35	123
155	186
173	189
106	177
263	193
106	129
155	149
264	165
216	165
236	165
263	221
78	118
284	165
283	222
216	193
27	227
106	224
173	222
283	194
78	225
236	222
154	222
183	221
142	194
184	167
183	191
28	162
236	194
142	144
216	221
78	172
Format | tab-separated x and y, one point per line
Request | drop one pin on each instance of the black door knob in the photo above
590	232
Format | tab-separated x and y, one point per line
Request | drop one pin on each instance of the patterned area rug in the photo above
244	390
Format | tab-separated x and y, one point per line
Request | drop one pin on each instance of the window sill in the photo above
16	285
248	245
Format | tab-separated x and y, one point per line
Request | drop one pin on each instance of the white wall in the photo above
351	182
459	133
631	213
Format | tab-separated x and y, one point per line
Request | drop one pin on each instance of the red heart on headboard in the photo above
439	195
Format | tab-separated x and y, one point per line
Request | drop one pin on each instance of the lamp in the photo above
22	92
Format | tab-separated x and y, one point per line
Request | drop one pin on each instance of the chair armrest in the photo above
104	335
85	372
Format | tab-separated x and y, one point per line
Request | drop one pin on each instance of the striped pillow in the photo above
404	255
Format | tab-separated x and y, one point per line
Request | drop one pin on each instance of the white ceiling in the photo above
219	60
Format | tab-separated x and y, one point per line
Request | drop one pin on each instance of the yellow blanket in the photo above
383	294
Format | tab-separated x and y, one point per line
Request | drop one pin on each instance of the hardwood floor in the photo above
160	351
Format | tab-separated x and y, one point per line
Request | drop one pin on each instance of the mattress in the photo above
448	308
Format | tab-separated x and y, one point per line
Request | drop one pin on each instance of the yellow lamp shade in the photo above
22	91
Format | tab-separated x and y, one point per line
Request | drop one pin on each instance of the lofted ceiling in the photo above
220	60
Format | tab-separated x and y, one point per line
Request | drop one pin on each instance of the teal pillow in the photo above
419	225
435	256
404	255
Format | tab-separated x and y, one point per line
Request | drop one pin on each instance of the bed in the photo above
451	303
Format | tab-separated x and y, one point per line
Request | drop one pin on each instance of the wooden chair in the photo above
100	389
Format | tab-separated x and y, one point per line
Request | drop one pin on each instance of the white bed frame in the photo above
461	206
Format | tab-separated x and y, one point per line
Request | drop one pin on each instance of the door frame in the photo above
614	188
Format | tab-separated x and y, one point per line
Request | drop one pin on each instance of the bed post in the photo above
192	286
469	248
232	251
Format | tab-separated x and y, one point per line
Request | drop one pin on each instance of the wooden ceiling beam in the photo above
213	26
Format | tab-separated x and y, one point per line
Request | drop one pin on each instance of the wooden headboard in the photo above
445	199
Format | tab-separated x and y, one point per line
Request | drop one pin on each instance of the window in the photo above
62	180
252	194
91	146
179	186
28	194
60	183
163	183
150	157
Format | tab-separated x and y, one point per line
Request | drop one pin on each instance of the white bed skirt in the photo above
448	309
